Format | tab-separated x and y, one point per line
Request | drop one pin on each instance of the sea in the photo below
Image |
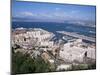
53	27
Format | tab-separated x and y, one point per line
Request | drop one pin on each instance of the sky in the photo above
35	11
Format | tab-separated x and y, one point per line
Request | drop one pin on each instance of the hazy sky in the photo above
52	12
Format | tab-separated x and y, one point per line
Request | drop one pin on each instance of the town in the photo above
38	42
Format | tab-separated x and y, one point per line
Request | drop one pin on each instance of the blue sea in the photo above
53	27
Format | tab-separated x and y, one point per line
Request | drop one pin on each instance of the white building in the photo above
73	51
64	67
46	43
51	61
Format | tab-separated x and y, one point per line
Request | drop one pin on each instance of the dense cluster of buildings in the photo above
37	42
76	51
32	37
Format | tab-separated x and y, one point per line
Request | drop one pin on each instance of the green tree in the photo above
23	63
